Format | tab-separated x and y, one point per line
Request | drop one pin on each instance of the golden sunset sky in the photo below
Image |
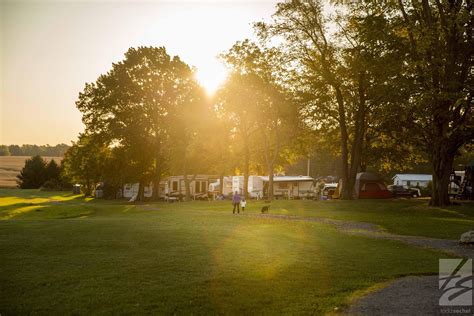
50	49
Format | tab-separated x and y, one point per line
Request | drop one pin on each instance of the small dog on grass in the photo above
265	209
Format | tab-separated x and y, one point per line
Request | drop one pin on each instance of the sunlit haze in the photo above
50	50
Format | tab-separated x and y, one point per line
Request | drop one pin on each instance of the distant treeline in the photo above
33	150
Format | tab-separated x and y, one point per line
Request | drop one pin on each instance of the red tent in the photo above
370	186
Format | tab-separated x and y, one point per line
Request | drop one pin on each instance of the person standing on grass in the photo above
243	204
236	202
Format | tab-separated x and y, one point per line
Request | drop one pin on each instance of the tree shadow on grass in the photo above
47	208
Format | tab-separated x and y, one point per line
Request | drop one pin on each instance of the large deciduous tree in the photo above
340	76
134	106
263	111
186	129
439	64
233	100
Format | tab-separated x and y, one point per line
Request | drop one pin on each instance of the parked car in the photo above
401	191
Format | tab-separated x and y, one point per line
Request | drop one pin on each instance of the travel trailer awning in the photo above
288	178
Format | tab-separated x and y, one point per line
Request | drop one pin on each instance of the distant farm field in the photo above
10	167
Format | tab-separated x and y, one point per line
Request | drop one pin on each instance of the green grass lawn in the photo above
61	253
404	217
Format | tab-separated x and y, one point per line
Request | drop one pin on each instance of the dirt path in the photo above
414	295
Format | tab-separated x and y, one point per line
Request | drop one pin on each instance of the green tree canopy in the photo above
255	100
437	37
84	162
136	104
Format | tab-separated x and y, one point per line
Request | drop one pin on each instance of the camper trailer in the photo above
215	187
198	186
290	186
254	188
412	180
130	190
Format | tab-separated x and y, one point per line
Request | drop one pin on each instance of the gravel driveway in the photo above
414	295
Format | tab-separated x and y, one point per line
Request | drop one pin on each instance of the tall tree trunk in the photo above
157	180
246	170
141	191
221	187
270	182
354	169
357	145
117	194
270	159
442	163
187	190
346	188
156	188
158	171
88	190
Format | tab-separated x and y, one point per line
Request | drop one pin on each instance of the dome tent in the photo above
370	186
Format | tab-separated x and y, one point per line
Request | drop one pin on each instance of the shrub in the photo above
427	191
38	174
53	171
52	185
33	174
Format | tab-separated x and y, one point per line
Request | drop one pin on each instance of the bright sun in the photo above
211	75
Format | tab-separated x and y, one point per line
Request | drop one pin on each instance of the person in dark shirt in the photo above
236	202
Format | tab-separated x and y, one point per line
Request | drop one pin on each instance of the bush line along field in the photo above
63	253
10	167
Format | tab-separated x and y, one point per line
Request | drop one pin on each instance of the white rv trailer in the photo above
283	186
412	180
422	180
130	190
214	187
290	186
198	185
254	187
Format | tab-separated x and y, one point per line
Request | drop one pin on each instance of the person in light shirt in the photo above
243	204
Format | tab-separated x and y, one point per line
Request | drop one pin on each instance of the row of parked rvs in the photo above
367	185
208	186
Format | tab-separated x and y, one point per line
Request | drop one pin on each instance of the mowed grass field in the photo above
63	253
10	167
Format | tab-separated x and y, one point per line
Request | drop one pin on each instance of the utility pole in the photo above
308	166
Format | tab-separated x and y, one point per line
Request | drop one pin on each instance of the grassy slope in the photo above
83	256
405	217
